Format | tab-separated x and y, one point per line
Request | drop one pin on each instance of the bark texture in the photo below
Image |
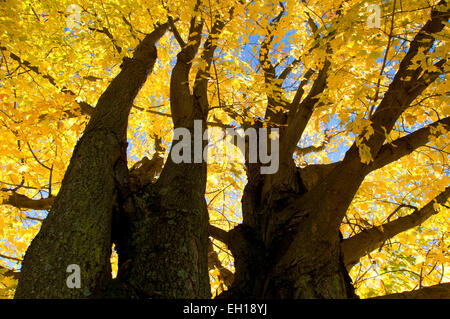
78	227
288	245
164	249
163	252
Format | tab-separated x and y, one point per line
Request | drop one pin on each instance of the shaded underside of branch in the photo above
409	82
368	240
440	291
24	202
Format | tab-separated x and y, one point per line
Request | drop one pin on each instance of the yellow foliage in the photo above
40	122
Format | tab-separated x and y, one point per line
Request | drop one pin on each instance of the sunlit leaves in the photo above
40	121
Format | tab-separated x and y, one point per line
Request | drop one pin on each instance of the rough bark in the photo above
288	245
164	251
280	270
292	232
268	263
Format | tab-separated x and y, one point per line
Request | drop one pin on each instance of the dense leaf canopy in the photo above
56	60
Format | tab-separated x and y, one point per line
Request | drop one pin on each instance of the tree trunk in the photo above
312	270
163	253
77	230
268	263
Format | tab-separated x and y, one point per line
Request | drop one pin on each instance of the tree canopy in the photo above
335	85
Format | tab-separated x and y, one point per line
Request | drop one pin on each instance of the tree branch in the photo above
108	33
9	273
389	153
23	202
405	145
407	84
368	240
203	74
283	75
403	90
300	114
175	32
219	234
11	258
225	275
209	123
302	151
181	99
301	90
440	291
266	64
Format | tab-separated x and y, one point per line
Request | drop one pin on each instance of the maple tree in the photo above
91	93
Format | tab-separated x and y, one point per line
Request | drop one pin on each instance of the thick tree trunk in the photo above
268	262
311	269
77	230
288	245
314	269
163	253
81	214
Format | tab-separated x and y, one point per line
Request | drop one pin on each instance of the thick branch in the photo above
9	273
97	175
301	90
405	145
175	32
368	240
130	80
181	99
284	74
403	90
23	202
440	291
225	274
407	84
219	234
389	153
203	75
300	114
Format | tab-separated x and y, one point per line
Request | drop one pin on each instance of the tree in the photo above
360	197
